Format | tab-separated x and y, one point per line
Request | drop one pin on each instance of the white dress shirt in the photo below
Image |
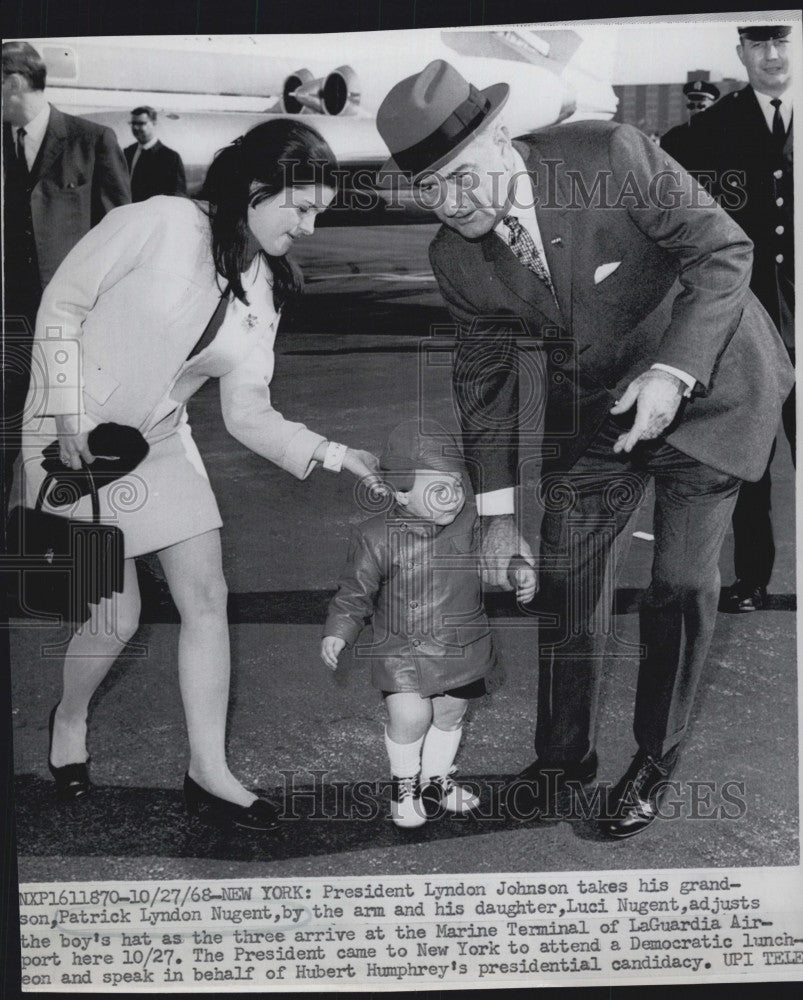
34	135
523	208
138	152
769	111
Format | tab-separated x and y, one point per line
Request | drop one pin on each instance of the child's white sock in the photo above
405	801
437	758
405	758
439	751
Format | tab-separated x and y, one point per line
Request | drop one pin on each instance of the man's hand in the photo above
500	542
657	395
331	647
73	442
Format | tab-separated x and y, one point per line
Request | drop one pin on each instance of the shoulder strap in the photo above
214	324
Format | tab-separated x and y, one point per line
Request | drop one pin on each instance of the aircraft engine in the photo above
336	94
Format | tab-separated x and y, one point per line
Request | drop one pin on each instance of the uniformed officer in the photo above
741	149
700	95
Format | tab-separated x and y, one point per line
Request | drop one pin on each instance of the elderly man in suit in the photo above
741	149
61	175
587	241
154	167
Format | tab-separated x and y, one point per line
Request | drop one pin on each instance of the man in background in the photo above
61	175
154	168
741	149
700	95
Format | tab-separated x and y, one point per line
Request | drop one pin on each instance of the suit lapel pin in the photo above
557	241
251	321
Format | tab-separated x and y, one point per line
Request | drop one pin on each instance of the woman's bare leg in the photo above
90	655
194	573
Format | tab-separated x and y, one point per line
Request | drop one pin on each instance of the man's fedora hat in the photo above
427	118
764	32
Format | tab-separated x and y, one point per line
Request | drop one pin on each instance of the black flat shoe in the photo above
72	780
260	815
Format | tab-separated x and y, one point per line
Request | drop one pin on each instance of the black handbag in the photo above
59	566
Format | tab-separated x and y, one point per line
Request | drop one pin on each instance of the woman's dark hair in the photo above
272	156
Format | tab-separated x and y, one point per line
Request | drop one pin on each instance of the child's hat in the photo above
421	444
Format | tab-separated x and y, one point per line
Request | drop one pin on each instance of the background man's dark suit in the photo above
159	170
730	148
78	176
679	296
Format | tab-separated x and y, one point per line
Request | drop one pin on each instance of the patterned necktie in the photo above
523	246
778	127
21	133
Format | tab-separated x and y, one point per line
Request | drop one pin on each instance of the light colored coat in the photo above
127	306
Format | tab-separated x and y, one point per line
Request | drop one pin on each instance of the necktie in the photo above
523	246
21	133
778	128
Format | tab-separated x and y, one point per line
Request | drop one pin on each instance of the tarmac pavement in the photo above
353	359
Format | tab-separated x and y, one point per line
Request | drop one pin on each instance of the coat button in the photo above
413	604
415	642
779	202
779	258
777	174
779	230
410	563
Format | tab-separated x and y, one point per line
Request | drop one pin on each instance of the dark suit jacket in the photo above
679	296
79	175
729	148
159	170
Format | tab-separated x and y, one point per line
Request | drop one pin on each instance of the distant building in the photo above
657	107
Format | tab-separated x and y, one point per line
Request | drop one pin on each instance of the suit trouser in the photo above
753	542
584	510
21	301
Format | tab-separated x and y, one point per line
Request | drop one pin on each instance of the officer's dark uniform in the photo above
699	95
732	151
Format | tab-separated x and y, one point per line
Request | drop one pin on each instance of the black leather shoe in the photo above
741	598
635	800
542	789
72	780
260	815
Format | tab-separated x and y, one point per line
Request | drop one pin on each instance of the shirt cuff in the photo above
495	502
689	380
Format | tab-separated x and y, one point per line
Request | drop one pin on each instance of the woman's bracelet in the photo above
335	453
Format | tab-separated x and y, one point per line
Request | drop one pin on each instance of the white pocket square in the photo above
604	270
